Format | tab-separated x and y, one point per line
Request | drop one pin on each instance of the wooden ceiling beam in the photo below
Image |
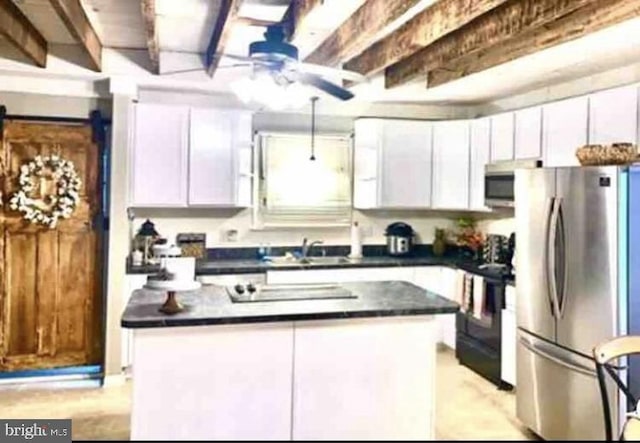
220	34
149	18
75	19
434	22
295	16
493	28
586	20
19	31
356	33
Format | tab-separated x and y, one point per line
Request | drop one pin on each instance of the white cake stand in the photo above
171	305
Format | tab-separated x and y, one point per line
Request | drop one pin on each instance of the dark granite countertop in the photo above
211	305
254	266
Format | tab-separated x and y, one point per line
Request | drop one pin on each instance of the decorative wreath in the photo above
49	209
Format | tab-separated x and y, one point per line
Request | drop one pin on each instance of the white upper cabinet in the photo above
502	137
480	156
565	126
159	156
367	141
451	164
406	165
211	156
528	133
392	164
613	116
190	157
219	142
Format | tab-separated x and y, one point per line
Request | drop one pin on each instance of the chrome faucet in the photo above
306	247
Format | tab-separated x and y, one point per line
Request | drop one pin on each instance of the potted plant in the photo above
468	238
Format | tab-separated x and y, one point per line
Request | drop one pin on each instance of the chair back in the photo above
604	354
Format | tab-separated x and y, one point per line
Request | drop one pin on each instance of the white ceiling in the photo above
612	47
185	27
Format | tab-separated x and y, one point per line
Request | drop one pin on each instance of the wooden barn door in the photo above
50	279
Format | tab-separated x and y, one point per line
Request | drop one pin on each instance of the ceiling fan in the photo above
279	60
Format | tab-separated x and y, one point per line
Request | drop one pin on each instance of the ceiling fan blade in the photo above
326	86
235	65
326	71
242	58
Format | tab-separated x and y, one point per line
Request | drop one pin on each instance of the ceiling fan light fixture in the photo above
262	88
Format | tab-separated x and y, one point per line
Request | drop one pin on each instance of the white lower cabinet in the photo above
339	275
132	282
508	339
437	279
362	379
448	290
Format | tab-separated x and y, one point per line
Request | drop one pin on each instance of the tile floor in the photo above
468	407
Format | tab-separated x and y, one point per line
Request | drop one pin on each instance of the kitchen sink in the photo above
310	261
290	292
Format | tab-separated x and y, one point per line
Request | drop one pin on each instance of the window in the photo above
296	191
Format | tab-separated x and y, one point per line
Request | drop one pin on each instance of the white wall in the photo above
500	223
216	223
52	105
608	79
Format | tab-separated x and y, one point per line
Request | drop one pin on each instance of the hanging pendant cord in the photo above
313	128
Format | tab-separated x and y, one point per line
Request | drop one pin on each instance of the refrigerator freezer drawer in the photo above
558	395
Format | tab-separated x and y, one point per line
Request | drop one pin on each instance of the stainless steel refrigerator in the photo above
572	284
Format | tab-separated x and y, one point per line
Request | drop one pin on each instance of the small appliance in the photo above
494	251
399	238
499	179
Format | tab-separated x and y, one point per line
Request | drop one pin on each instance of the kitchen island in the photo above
357	366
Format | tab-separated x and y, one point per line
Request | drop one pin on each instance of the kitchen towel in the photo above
479	294
459	289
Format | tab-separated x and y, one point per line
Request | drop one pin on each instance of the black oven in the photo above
478	340
499	180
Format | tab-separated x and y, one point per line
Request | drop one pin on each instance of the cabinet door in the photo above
212	172
429	278
406	165
528	133
451	165
339	275
480	156
613	116
159	164
448	287
243	148
565	129
132	283
508	347
367	143
502	137
364	379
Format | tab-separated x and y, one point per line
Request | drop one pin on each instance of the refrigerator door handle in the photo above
562	295
550	257
558	360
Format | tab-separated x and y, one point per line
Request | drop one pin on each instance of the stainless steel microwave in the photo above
499	181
